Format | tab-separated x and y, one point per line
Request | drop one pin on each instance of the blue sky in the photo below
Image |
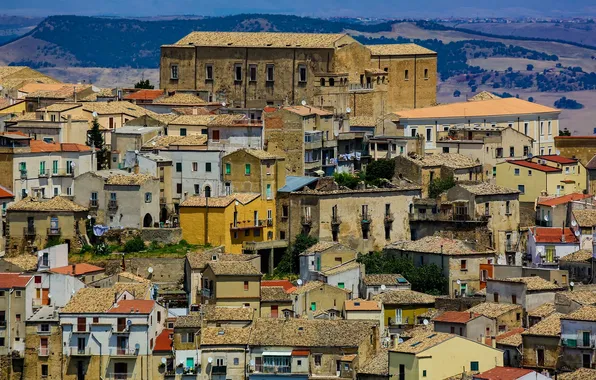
395	8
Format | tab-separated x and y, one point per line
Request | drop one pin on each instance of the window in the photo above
425	73
313	306
429	134
463	265
302	73
2	341
474	366
247	169
445	149
215	135
331	82
208	72
318	360
526	129
69	167
414	132
513	299
207	191
208	167
188	337
270	73
148	197
423	373
516	172
55	167
511	151
44	370
496	297
542	127
42	168
407	75
236	361
174	72
522	189
252	73
228	168
508	207
195	166
182	131
550	128
18	317
529	173
18	293
56	190
238	72
178	167
197	189
341	285
526	150
179	188
499	152
245	285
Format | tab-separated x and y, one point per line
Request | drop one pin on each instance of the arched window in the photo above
322	82
207	191
331	82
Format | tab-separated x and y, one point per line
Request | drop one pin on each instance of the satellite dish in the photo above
252	362
210	359
136	152
74	291
181	361
458	282
299	282
73	164
89	217
571	283
577	233
573	223
539	250
128	322
425	322
163	360
558	152
400	340
348	110
546	218
94	114
236	203
137	346
303	102
530	155
50	295
150	269
383	287
223	105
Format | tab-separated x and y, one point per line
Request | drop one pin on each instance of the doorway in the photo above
147	220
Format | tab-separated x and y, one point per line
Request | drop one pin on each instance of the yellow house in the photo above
542	176
402	307
228	221
232	283
17	108
435	355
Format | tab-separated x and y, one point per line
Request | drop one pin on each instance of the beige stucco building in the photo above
228	283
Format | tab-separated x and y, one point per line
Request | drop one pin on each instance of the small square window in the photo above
424	373
18	293
516	171
474	366
228	168
522	189
236	361
208	167
148	197
270	73
238	72
174	72
178	167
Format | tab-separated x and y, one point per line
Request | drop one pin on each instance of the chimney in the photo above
73	269
471	315
493	341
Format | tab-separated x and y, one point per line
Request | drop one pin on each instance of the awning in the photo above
277	353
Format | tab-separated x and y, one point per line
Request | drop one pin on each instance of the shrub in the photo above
456	93
438	185
134	245
346	180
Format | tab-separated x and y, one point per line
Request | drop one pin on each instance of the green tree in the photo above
379	170
346	179
289	263
145	84
530	67
95	139
565	132
438	185
456	93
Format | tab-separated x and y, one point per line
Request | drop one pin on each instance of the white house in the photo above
344	276
546	245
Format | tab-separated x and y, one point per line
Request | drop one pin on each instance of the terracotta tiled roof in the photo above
533	283
362	305
285	284
24	117
25	261
197	201
232	268
127	307
585	218
503	373
134	277
311	285
5	193
422	330
116	107
192	111
580	374
486	188
201	120
456	317
534	165
221	313
188	321
377	365
79	269
163	342
419	343
320	246
553	235
310	333
55	204
494	310
543	310
484	95
225	336
558	159
199	260
440	245
449	160
164	142
274	294
581	256
347	266
180	98
592	163
404	297
585	313
13	280
100	300
38	146
260	154
384	279
144	94
325	192
262	39
491	107
563	199
307	111
399	49
549	326
511	338
585	297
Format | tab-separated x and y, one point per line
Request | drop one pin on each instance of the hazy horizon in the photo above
330	8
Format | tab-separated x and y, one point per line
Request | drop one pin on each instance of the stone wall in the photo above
162	235
165	270
580	147
457	304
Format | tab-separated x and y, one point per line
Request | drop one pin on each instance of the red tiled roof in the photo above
79	269
456	317
553	235
534	165
163	342
558	159
127	307
563	199
38	146
270	109
300	352
507	334
286	284
5	193
144	95
503	373
13	280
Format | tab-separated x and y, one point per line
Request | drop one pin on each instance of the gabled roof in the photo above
57	203
503	373
583	297
384	279
486	188
441	246
144	94
580	374
100	300
585	218
231	268
404	297
534	165
263	40
563	199
585	313
460	317
77	269
493	309
449	160
554	235
422	342
311	285
307	111
5	193
13	280
399	49
221	313
225	336
274	294
543	310
132	307
285	284
511	338
199	260
164	341
344	267
581	256
558	159
550	326
533	283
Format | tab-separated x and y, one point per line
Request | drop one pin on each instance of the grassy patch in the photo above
154	250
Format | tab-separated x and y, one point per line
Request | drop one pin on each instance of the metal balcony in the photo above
28	231
306	220
54	231
43	351
82	351
44	173
219	370
113	205
93	203
123	352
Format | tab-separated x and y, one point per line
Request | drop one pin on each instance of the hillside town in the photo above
291	206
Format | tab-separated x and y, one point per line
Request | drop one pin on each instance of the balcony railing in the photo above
43	351
23	174
123	352
248	224
509	246
112	205
269	368
44	173
29	231
119	375
389	218
219	370
80	351
306	220
53	231
81	328
360	87
63	172
93	203
121	329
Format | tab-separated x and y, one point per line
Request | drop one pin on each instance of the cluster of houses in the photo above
244	148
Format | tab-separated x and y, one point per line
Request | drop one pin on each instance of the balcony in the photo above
44	173
443	217
119	375
81	329
93	203
247	224
63	172
270	368
2	324
53	231
335	220
23	174
80	351
43	351
357	87
113	205
509	246
389	218
123	352
29	231
306	220
365	219
219	370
